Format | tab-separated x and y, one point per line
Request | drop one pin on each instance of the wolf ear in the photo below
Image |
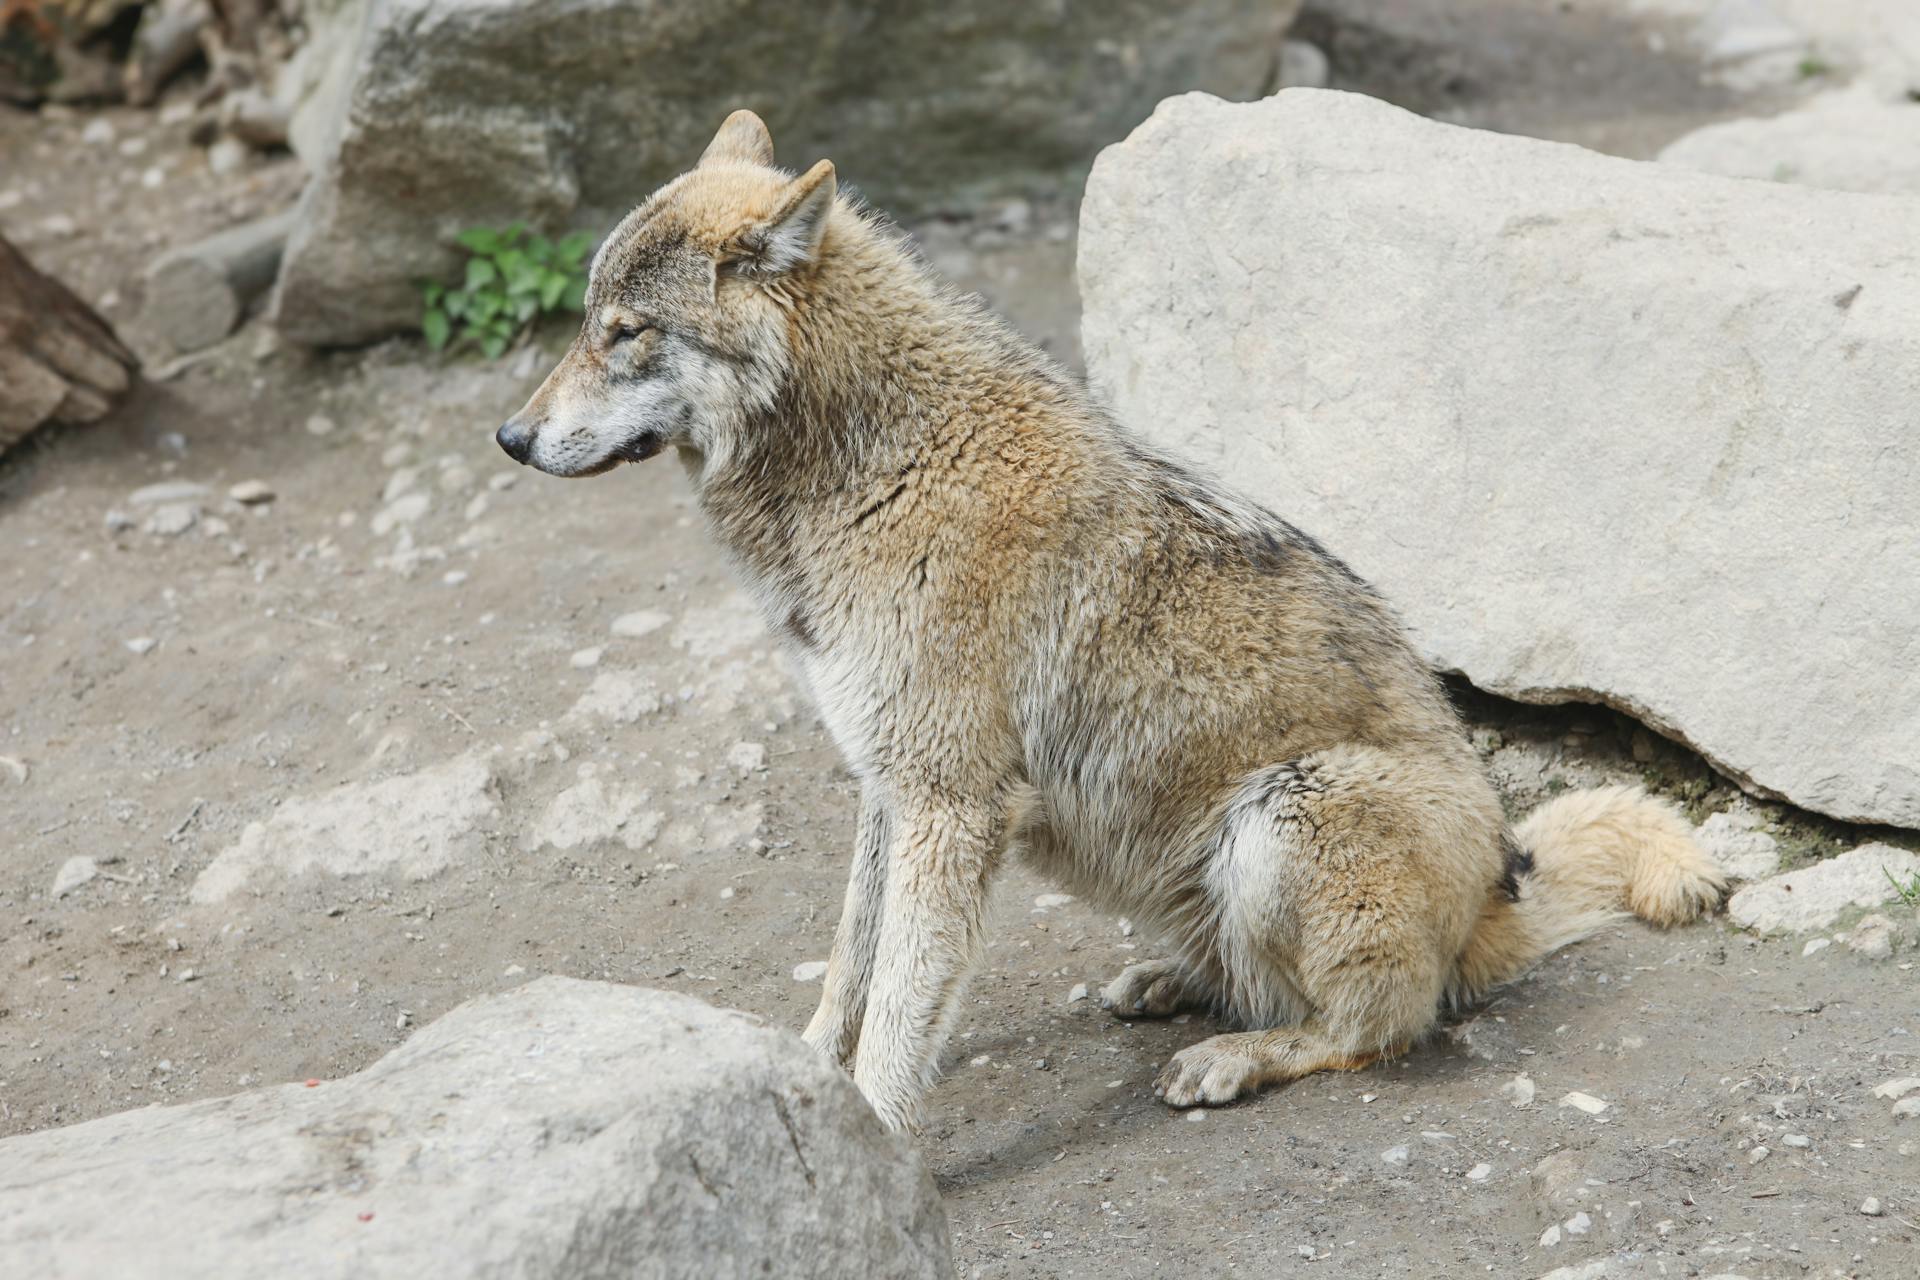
743	139
789	237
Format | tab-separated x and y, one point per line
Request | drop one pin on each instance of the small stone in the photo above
642	622
1519	1090
1872	938
152	177
97	133
1578	1225
1896	1089
1480	1172
16	768
502	480
747	757
1396	1156
403	481
187	975
477	506
397	455
173	519
117	521
73	873
1871	1207
1907	1108
142	645
1584	1102
1197	1115
810	971
1799	1140
404	511
1550	1237
154	495
321	425
1815	945
1303	66
586	659
1048	901
1758	1154
226	156
726	893
59	226
454	577
1078	993
251	493
513	971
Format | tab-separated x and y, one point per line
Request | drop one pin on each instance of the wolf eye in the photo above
628	332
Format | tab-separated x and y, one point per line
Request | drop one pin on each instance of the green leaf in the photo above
456	302
552	285
432	291
525	308
577	294
437	328
483	308
540	248
481	240
573	248
480	273
494	345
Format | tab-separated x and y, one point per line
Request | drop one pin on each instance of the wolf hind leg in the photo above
1344	883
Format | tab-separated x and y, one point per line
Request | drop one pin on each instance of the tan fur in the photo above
1028	633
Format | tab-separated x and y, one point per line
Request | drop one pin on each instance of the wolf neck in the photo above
892	369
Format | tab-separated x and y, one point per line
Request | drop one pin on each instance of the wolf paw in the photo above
1208	1074
1151	989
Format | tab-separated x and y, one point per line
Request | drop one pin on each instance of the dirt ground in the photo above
295	650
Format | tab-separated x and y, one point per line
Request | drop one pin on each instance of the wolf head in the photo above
686	332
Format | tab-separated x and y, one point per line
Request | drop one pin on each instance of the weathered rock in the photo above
1601	430
1816	896
1734	841
590	811
563	1129
73	873
414	825
582	106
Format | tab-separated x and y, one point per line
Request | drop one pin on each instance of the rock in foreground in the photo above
1816	896
1600	430
565	1129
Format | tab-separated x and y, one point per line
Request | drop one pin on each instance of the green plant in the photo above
1812	67
511	277
1909	892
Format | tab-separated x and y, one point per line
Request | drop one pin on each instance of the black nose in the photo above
516	438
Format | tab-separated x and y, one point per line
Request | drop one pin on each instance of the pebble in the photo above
1396	1156
513	971
227	156
1048	901
1196	1115
97	133
1519	1090
142	645
810	971
642	622
403	481
1480	1173
397	455
1907	1108
1897	1089
60	226
477	506
73	873
251	493
1584	1102
117	521
321	425
153	177
1578	1225
1816	944
586	659
1798	1140
1871	1207
1872	937
1078	993
1758	1154
500	480
747	757
15	768
153	495
454	577
173	519
1550	1237
403	511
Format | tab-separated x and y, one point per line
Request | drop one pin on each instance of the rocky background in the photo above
319	720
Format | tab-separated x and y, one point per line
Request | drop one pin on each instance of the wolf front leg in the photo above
835	1029
939	861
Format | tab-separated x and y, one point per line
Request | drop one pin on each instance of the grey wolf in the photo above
1032	636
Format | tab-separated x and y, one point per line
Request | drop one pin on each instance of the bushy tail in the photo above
1595	855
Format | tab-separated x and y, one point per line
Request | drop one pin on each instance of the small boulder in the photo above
562	1129
1814	897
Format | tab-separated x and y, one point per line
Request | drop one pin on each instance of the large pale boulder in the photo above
566	1129
1602	430
424	117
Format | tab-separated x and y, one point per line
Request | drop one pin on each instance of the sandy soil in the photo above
297	651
